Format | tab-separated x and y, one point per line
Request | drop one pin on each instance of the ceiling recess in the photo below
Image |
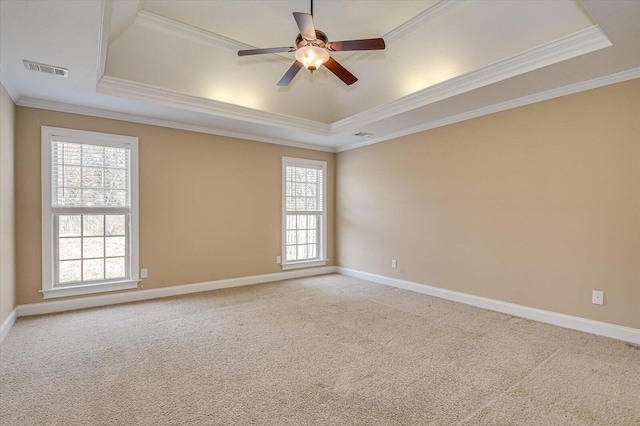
48	69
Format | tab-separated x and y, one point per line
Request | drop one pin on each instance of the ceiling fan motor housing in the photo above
320	41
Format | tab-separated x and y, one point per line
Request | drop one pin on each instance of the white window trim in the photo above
302	162
48	240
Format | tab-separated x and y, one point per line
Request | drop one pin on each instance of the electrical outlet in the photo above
597	297
144	273
394	263
278	260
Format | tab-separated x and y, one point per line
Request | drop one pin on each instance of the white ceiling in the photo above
175	63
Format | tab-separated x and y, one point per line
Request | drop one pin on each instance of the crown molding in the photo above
188	32
103	37
567	47
7	83
503	106
132	118
407	27
526	100
419	20
128	89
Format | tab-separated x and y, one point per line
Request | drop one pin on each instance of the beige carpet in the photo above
320	350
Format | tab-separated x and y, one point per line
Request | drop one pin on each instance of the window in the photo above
89	212
304	216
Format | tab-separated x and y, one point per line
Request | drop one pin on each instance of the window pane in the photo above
69	197
291	253
313	222
302	222
93	197
116	198
311	251
291	204
92	177
93	247
92	269
302	252
291	221
69	226
93	225
72	176
312	236
312	175
311	190
92	155
115	267
71	153
115	178
302	237
69	248
311	204
291	237
115	246
69	271
115	225
115	157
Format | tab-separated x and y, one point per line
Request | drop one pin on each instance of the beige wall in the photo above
537	205
7	247
209	205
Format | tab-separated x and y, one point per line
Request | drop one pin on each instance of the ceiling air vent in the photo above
34	66
363	134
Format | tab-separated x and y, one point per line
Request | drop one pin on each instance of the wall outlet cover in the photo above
597	297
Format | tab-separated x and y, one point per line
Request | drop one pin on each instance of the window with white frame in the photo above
304	217
89	212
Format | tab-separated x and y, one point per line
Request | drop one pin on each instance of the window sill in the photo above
79	290
305	264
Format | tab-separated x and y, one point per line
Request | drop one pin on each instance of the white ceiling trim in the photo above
526	100
132	118
576	44
419	20
568	47
188	32
503	106
128	89
408	27
103	37
8	85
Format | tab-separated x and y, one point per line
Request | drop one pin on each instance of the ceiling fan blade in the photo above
366	44
340	72
305	24
269	50
288	76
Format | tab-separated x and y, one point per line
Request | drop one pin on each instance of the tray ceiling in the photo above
175	62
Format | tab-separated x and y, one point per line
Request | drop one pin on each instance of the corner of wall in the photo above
7	212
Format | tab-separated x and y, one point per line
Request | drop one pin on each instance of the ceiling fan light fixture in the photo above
312	57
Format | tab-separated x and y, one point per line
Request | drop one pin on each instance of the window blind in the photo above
304	189
85	175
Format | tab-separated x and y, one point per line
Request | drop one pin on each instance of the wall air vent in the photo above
34	66
363	134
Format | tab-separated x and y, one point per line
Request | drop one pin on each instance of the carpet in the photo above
321	350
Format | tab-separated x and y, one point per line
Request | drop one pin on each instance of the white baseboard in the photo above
156	293
614	331
8	323
619	332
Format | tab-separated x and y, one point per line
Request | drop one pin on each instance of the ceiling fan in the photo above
312	50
